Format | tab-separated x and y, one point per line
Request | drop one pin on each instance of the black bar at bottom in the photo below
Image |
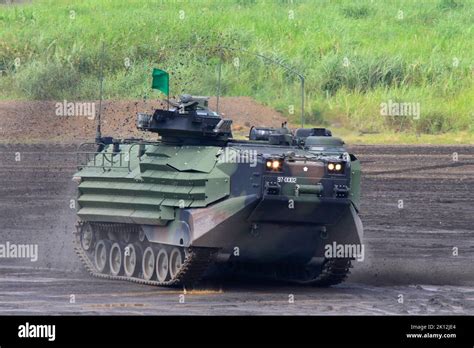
209	330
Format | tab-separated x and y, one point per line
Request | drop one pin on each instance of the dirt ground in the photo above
409	250
29	122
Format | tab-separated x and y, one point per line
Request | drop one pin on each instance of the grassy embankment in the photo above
355	55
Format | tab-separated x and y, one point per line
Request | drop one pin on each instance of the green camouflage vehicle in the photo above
280	205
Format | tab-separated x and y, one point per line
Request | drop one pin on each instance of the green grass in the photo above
453	138
355	55
352	137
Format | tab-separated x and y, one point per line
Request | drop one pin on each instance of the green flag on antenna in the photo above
161	81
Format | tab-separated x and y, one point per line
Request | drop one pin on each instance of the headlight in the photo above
274	165
335	168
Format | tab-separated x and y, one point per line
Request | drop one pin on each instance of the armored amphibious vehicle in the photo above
162	212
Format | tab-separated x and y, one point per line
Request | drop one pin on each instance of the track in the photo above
409	249
194	265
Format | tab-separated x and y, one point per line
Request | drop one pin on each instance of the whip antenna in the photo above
98	133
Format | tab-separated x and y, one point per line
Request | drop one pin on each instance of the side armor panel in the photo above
149	189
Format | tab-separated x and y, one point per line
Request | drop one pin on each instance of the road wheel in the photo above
176	261
148	263
162	265
87	237
101	256
115	259
132	260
